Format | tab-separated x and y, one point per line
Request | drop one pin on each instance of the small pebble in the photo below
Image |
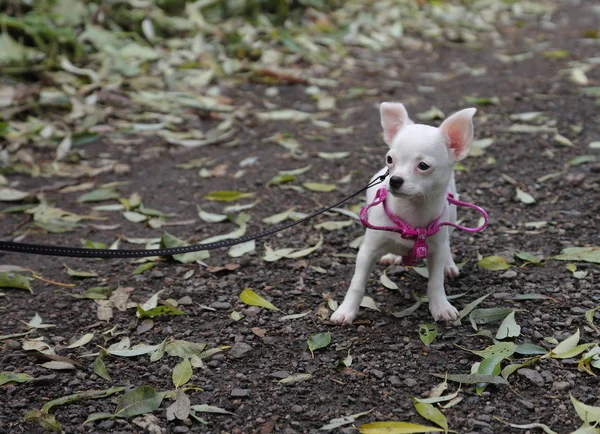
240	393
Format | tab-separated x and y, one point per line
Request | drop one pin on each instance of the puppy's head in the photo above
421	158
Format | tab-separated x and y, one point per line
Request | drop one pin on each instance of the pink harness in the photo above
419	250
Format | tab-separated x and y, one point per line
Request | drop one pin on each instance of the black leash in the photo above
80	252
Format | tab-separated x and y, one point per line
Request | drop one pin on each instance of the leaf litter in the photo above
134	62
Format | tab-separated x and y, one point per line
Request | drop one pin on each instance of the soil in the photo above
390	363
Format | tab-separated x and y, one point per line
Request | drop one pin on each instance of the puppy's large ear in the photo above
458	129
393	118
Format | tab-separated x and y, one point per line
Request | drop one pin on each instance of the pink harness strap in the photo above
419	250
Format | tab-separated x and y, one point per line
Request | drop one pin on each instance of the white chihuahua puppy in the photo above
421	164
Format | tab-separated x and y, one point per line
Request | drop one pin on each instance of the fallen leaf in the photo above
524	197
494	263
319	187
431	413
227	196
428	333
317	341
251	298
143	399
509	327
82	340
393	427
182	373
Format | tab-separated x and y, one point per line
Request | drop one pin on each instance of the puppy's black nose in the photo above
396	182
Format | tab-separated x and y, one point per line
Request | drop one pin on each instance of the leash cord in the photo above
80	252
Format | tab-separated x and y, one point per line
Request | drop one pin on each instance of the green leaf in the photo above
169	241
182	373
45	420
166	309
387	282
139	401
89	394
99	195
58	365
333	155
227	196
281	179
486	316
431	413
96	293
317	341
582	159
82	340
144	267
469	307
408	311
98	416
14	280
251	298
241	249
524	197
297	378
589	316
278	218
209	217
583	254
11	377
472	378
12	195
572	352
494	263
334	225
305	252
586	413
568	344
100	368
529	258
294	316
135	217
37	323
509	327
205	408
183	349
80	274
393	427
428	333
493	100
319	187
135	351
341	421
93	244
529	349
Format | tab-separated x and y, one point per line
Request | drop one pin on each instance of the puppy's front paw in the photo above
390	259
451	270
443	311
343	315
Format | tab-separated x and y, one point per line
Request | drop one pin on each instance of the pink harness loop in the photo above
419	250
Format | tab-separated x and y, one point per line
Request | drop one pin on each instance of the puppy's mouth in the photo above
402	194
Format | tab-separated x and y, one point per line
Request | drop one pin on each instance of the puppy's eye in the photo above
423	166
389	159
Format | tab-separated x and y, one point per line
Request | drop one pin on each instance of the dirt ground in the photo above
390	364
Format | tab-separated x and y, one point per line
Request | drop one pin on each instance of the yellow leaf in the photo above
253	299
393	427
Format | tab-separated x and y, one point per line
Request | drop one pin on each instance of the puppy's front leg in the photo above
365	261
440	307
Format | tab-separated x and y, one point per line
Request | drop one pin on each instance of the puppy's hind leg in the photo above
365	261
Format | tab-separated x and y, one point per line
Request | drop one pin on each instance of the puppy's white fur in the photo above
421	198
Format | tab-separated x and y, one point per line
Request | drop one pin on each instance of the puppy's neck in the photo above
418	211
